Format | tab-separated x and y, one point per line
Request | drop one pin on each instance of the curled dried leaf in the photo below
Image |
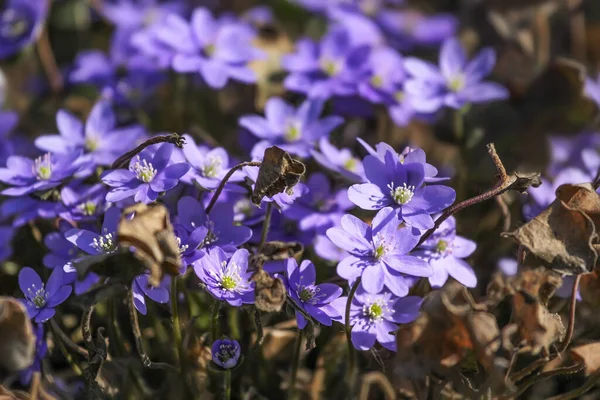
563	237
17	340
269	292
590	355
150	232
278	173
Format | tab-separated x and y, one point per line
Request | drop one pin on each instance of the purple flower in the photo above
312	298
41	349
295	130
60	250
226	353
339	160
40	300
409	28
324	248
190	244
218	49
140	288
45	172
7	233
99	138
146	177
400	185
373	317
226	279
25	209
8	121
455	83
330	68
94	243
445	250
378	253
208	166
219	226
82	202
319	209
21	22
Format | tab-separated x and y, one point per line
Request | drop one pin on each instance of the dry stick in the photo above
137	334
173	138
260	333
213	200
505	213
379	379
86	331
571	326
576	393
74	347
265	228
522	373
572	369
507	182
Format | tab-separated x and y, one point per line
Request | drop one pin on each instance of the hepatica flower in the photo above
329	68
208	166
319	209
140	288
226	353
40	300
94	243
456	82
218	227
373	317
295	130
339	160
45	172
378	253
226	279
148	176
99	137
312	298
20	23
82	202
7	233
218	49
400	185
445	251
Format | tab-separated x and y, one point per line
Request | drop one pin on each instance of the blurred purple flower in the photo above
373	317
312	298
40	300
81	202
219	228
226	353
148	176
324	248
21	21
331	67
339	160
295	130
7	233
218	49
140	288
25	209
226	279
319	209
41	349
378	253
455	83
400	185
445	250
409	28
95	243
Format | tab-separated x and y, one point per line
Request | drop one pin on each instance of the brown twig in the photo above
213	200
48	61
576	393
572	369
379	379
522	373
505	213
265	227
61	335
571	326
514	181
173	138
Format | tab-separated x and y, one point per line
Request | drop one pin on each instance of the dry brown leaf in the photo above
590	355
589	287
17	340
269	292
151	233
563	236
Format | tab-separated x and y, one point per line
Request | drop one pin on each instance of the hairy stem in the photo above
265	227
227	392
173	138
351	352
215	197
177	326
216	312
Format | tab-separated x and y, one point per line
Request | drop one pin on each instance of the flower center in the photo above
39	297
213	167
211	236
106	243
379	251
244	207
350	164
399	96
226	352
13	24
230	278
457	83
144	170
376	81
42	167
88	208
292	133
209	50
402	194
376	310
307	293
330	67
182	249
441	246
91	144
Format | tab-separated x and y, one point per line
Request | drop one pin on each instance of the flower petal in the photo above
409	265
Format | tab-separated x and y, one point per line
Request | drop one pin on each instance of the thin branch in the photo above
173	138
542	376
61	335
86	330
514	181
379	379
505	213
522	373
351	352
576	393
260	333
571	326
215	197
48	61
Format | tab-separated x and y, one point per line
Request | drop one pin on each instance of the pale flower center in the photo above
330	67
106	243
292	133
39	297
182	249
457	83
226	352
399	96
376	81
144	170
91	144
13	25
376	310
88	208
230	278
213	167
441	246
402	194
350	164
42	167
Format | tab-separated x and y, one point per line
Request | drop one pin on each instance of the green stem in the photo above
177	326
351	353
458	125
227	391
215	320
265	228
295	365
